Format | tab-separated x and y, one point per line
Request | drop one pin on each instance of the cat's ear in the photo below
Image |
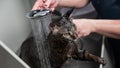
68	13
56	16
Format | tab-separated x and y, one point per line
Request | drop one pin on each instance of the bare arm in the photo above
73	3
41	4
109	28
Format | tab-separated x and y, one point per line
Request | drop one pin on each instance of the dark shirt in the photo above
107	9
110	9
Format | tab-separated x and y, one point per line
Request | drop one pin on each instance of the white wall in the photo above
14	26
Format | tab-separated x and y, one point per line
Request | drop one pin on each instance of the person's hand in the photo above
42	4
84	26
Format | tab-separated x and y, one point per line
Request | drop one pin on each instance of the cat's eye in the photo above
66	34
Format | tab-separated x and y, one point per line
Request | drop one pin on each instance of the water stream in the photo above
40	28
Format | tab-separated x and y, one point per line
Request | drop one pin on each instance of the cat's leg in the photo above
85	55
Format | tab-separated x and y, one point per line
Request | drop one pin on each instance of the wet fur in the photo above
61	48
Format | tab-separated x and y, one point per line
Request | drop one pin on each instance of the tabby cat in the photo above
63	44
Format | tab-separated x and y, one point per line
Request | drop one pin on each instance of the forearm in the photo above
109	28
73	3
116	36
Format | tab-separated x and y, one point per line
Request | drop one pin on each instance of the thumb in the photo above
47	3
53	5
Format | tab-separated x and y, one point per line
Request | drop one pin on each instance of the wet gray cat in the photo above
63	43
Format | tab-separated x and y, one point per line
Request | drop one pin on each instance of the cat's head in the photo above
62	25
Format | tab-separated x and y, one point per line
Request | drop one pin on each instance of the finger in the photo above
78	32
44	1
80	35
52	9
37	5
53	5
86	34
83	35
47	3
